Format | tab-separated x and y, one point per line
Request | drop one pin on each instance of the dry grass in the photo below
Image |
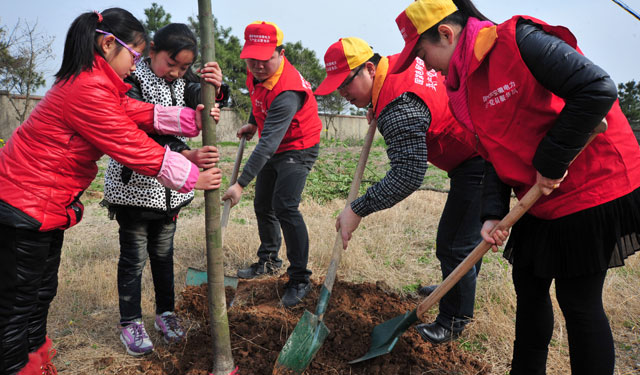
396	245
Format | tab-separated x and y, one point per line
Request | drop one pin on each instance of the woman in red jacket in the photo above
51	159
532	100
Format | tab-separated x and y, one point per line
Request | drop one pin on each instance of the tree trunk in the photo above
219	322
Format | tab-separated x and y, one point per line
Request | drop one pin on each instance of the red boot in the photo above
47	352
33	367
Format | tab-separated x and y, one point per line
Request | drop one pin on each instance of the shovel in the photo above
385	335
310	332
196	277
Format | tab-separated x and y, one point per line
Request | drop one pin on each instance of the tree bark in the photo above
218	320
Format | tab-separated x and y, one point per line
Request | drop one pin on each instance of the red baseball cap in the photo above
419	17
342	56
260	40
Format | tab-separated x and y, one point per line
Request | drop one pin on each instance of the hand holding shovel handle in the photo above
528	200
310	332
234	177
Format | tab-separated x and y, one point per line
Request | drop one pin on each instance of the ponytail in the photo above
460	17
375	59
81	43
468	9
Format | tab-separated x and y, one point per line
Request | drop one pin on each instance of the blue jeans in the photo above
458	234
141	239
28	283
279	186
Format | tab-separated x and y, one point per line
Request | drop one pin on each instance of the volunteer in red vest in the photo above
285	115
532	100
412	115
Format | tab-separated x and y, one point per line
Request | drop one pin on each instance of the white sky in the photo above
607	34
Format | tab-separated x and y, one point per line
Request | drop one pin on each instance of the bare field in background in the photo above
396	245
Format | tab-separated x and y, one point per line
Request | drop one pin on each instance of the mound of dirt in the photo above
260	326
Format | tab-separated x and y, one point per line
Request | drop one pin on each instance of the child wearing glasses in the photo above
51	159
146	210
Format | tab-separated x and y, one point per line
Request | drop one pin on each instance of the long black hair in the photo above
81	43
460	17
176	37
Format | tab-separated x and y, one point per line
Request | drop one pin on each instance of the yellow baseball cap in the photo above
419	17
260	40
342	56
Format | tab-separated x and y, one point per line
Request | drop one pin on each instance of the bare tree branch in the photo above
21	53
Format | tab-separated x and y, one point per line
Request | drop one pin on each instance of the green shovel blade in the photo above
196	277
303	344
385	335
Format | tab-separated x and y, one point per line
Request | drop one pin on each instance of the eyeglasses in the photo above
137	56
350	79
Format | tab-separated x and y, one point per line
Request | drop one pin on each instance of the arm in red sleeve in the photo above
97	114
158	119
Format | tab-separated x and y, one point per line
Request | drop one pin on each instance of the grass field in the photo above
396	245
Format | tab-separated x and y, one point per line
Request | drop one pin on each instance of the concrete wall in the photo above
334	127
340	127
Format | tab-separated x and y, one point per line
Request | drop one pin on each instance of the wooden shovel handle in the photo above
234	177
336	256
507	222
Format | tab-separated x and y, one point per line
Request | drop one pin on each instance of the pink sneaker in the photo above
135	338
169	324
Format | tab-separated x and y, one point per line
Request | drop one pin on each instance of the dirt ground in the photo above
259	328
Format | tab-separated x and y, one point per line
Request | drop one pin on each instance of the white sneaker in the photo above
169	324
135	338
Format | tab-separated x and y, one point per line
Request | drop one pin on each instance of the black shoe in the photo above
427	290
435	333
294	292
258	269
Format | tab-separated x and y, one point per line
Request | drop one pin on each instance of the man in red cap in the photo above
412	113
285	115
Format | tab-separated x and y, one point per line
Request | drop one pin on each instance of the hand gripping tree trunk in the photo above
219	322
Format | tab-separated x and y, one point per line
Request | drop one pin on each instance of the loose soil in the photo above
260	326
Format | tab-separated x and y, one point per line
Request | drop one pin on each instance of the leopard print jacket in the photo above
125	188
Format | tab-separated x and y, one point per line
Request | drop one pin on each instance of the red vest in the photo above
512	112
448	142
306	127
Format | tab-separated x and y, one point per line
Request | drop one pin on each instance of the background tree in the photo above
309	66
156	18
629	96
4	46
234	70
22	51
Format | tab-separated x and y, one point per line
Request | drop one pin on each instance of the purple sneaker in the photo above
169	324
135	338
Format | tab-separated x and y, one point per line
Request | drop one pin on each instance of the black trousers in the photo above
29	262
591	347
458	234
279	186
140	239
